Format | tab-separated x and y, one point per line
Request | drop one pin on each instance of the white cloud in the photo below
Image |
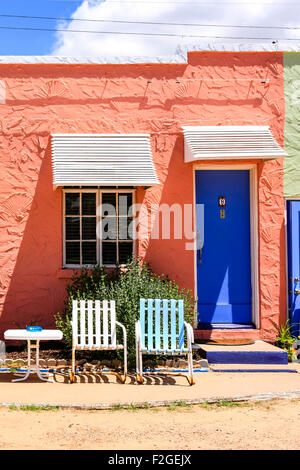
238	12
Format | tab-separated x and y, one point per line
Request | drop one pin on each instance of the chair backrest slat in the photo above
181	324
157	325
94	323
82	322
98	324
165	324
75	320
90	322
142	320
113	340
173	323
150	323
105	323
162	324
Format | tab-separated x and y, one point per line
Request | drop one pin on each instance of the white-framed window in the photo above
98	226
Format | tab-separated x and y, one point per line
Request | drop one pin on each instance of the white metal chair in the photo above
94	328
160	330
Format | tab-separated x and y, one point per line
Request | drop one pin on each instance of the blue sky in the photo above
209	12
31	42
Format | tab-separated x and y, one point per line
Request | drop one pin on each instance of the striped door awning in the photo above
102	159
229	143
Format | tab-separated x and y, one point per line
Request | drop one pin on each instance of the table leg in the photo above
37	363
24	377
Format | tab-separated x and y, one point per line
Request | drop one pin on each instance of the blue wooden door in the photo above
223	254
293	226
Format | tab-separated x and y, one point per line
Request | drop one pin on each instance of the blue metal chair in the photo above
161	330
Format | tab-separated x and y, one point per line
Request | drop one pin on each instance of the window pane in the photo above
109	253
89	253
72	203
108	204
125	228
125	252
109	228
88	204
72	253
72	228
88	228
125	203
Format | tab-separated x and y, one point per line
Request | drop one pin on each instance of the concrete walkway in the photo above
94	391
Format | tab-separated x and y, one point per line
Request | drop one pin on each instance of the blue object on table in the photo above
34	328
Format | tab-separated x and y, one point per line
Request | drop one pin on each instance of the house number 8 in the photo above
222	201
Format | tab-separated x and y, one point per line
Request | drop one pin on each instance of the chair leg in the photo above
137	367
139	363
190	366
140	374
72	373
123	377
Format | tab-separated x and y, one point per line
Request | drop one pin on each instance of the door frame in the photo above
253	230
286	199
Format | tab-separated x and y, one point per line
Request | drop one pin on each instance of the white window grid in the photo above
99	218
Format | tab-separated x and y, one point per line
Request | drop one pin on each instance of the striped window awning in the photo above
230	142
102	159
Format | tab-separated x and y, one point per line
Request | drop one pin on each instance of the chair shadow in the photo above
94	377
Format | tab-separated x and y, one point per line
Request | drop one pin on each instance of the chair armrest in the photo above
72	326
124	333
138	331
123	328
190	333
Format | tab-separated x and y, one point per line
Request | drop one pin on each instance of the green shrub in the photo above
126	287
285	340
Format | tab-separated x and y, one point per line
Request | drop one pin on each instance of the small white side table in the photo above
29	336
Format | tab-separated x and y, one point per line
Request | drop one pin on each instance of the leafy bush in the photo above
285	340
126	287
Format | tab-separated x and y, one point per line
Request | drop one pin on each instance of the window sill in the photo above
67	273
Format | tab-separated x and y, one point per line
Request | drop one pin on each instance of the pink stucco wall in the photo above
44	99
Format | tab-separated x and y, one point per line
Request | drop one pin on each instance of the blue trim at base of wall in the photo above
289	371
247	357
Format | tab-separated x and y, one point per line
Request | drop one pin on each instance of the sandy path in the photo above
93	389
264	425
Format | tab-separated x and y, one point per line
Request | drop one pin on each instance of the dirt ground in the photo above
256	425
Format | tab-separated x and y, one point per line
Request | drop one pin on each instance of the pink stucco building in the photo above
213	128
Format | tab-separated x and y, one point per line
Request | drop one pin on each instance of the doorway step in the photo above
203	335
258	352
